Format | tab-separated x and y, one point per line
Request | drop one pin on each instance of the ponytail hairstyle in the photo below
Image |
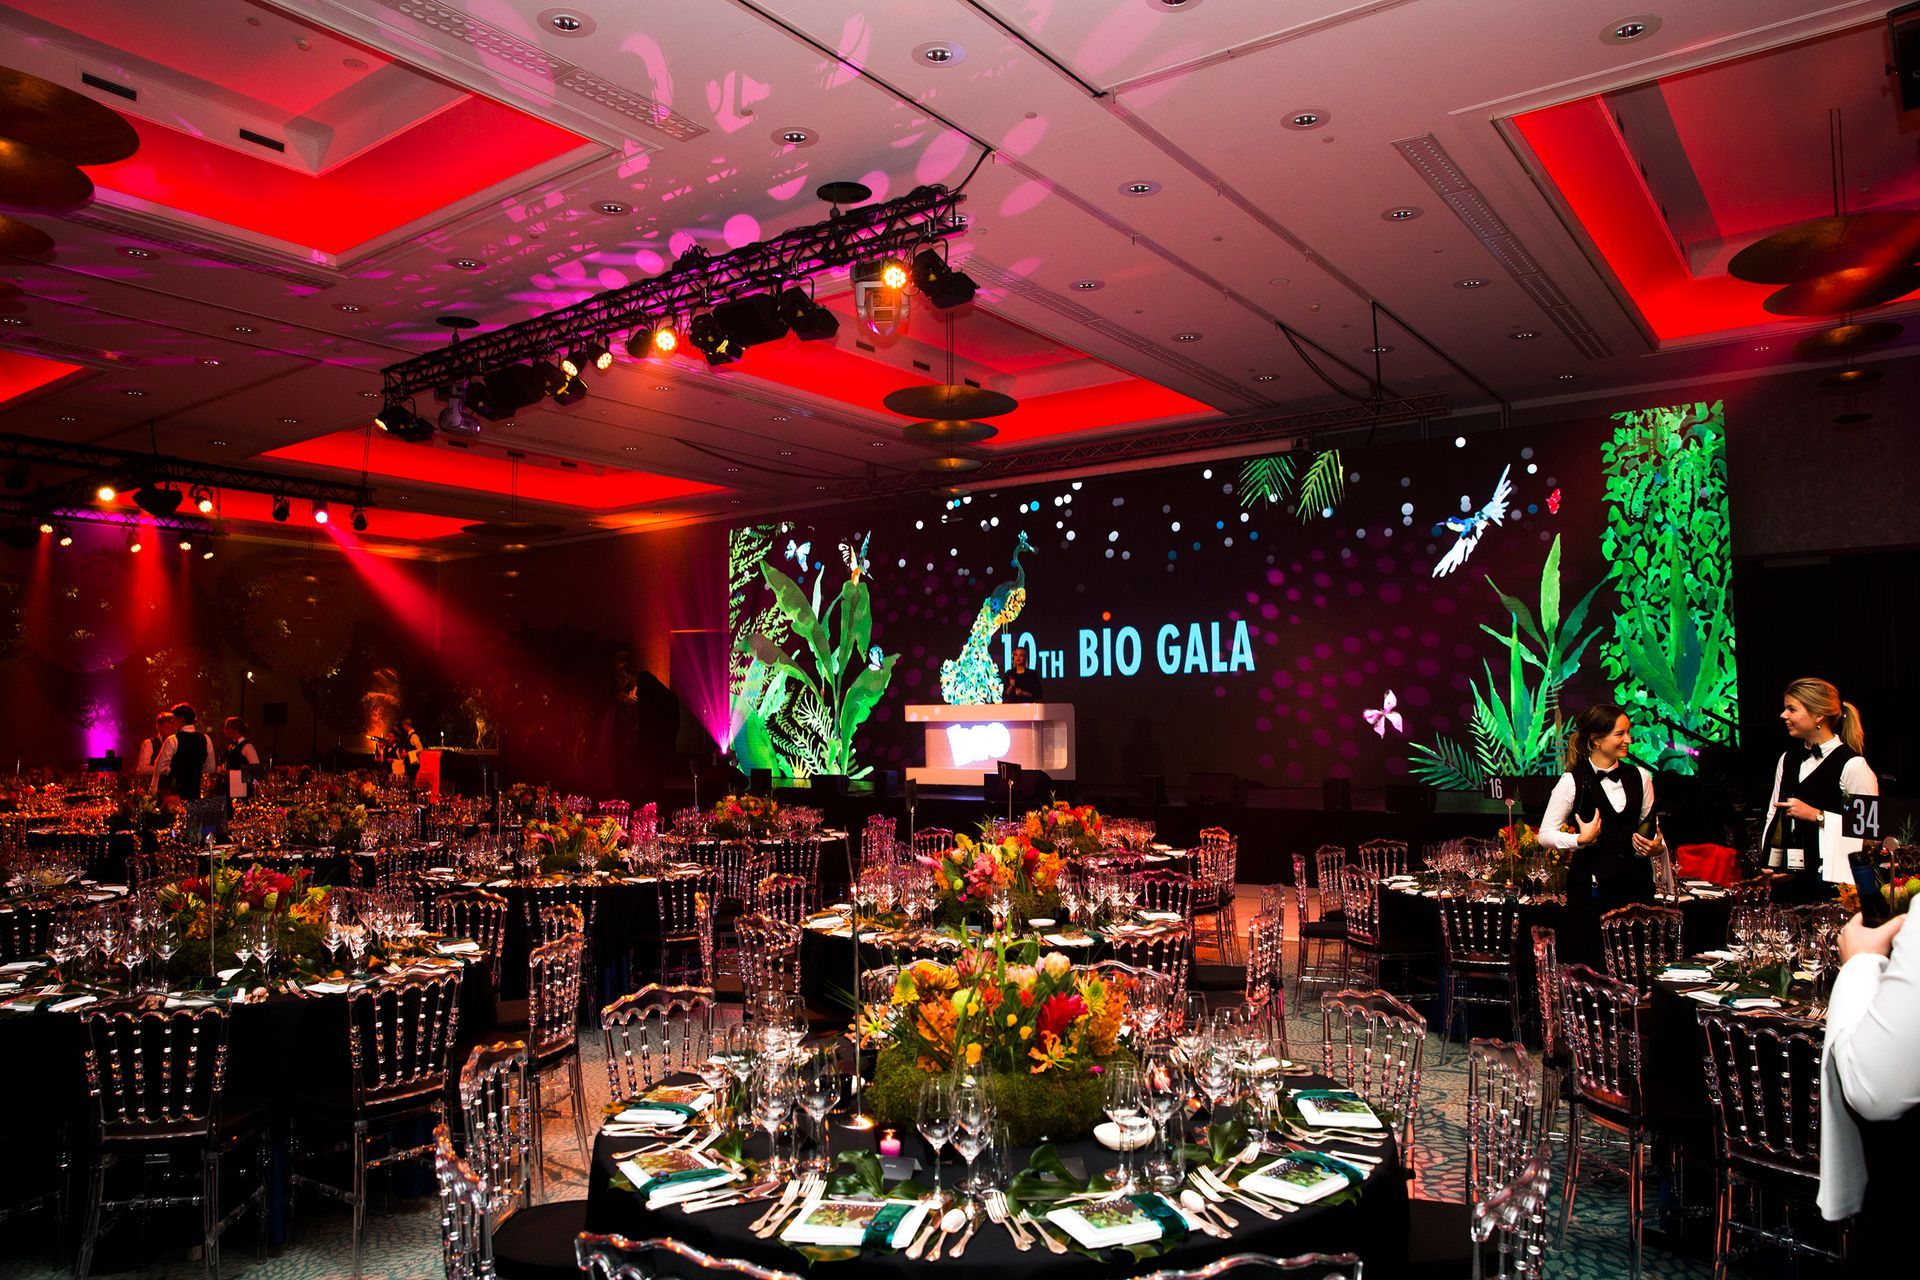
1822	701
1597	721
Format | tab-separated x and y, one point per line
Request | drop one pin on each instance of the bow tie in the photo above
1812	752
1609	775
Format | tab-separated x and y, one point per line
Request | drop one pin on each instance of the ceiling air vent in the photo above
93	81
261	140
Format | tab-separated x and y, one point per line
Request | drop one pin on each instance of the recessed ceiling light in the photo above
244	328
1378	350
876	444
1089	286
137	253
15	321
290	422
786	453
1635	26
1471	282
794	137
1568	377
819	488
570	23
1263	377
67	417
218	444
349	307
133	391
1306	118
1404	213
661	386
210	362
1173	6
1524	335
1188	336
1763	347
732	470
369	395
939	53
779	417
630	448
1142	187
467	264
612	208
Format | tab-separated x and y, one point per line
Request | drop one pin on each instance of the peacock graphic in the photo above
973	678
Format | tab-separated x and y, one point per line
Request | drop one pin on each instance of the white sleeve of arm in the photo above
1873	1031
1646	793
1559	805
161	761
249	754
1857	778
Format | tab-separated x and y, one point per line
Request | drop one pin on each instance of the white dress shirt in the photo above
240	780
1856	779
1560	807
164	761
1871	1059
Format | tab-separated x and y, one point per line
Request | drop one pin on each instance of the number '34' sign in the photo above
1875	817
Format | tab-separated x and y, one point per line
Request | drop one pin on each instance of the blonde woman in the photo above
1816	776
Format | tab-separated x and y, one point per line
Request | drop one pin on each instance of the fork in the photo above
1046	1236
997	1212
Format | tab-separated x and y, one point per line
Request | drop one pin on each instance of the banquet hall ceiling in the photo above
320	179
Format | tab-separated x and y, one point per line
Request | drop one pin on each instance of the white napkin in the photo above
1681	973
329	988
1062	940
74	1003
466	946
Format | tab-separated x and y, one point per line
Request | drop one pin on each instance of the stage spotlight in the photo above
359	519
206	552
455	419
940	283
894	273
751	320
552	378
711	341
572	391
511	389
394	417
66	536
882	307
202	500
594	355
320	515
133	541
158	500
656	338
186	543
46	526
106	493
281	508
809	321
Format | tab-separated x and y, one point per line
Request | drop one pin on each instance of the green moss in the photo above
1051	1107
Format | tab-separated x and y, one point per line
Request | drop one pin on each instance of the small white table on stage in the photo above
964	744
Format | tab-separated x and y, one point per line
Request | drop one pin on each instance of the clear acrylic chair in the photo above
782	896
1511	1224
1602	1020
26	929
475	914
399	1035
686	928
931	842
1638	939
1166	952
1501	1110
1383	858
553	1036
1316	932
158	1083
653	1033
1251	1266
879	842
1173	891
1754	889
1216	869
1763	1079
497	1111
618	1258
1327	861
791	856
1478	937
769	959
1371	1042
1360	892
1266	988
1553	1034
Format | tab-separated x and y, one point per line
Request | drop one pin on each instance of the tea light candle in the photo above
889	1144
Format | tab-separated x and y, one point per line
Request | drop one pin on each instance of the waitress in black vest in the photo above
185	759
1606	802
1818	774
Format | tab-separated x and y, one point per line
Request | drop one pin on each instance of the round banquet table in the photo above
1374	1226
626	926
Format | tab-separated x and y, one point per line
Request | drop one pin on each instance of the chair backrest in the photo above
1479	931
621	811
400	1034
1165	951
1360	900
497	1116
162	866
1370	1042
782	895
1751	890
1546	975
1247	1266
553	993
1638	939
1217	861
733	860
540	897
1602	1020
1503	1099
1763	1078
932	841
26	929
475	914
793	856
618	1258
769	957
1165	891
653	1033
1514	1221
1266	987
466	1234
155	1073
1384	858
1327	861
878	842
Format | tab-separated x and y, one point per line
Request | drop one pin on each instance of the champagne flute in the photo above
935	1122
1124	1106
770	1096
819	1092
972	1125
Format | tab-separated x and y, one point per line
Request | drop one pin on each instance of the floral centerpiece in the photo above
1045	1031
216	912
1065	829
1523	858
973	873
326	824
743	817
524	800
576	843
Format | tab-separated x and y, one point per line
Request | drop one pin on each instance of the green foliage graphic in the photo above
1272	479
1671	654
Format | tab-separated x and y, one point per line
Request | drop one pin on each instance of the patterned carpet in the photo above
403	1240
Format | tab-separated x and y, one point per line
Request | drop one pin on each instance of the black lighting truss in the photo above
1158	444
923	215
19	511
127	469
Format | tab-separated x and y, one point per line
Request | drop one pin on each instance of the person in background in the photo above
410	749
1608	801
1812	784
1020	684
243	758
163	727
186	759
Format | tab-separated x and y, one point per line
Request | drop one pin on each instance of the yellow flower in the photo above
1026	1033
1013	1019
973	1055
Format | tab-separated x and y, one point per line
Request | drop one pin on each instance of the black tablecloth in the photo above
1375	1226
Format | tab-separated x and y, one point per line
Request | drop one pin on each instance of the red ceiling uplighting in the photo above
20	374
440	161
585	488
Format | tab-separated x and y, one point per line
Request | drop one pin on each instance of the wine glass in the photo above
1125	1105
1150	1003
1164	1089
972	1124
935	1122
1213	1075
819	1091
770	1098
1263	1078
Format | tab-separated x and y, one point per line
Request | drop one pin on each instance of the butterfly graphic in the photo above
1468	529
1385	716
1553	503
856	559
875	658
799	551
